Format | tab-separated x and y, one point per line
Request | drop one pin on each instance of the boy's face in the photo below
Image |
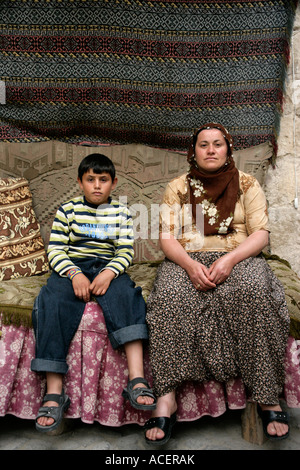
97	187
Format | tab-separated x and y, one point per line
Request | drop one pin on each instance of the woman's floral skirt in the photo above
238	329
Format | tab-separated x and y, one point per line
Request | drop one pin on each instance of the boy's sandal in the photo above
132	394
268	416
54	412
163	423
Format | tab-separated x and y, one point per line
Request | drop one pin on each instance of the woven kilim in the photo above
138	71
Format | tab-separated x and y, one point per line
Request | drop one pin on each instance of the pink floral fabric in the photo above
98	373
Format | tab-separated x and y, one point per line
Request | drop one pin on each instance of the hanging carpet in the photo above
140	71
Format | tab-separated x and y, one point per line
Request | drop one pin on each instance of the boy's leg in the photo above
134	355
54	385
56	316
124	310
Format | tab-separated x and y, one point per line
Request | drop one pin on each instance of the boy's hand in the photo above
81	286
101	282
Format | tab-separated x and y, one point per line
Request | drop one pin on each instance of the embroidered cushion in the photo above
22	248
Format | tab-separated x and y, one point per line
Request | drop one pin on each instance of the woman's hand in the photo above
200	276
252	246
197	272
221	269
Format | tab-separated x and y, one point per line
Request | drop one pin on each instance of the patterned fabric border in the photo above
142	71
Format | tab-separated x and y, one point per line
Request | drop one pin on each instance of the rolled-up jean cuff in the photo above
127	334
45	365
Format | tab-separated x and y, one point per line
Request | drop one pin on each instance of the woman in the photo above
216	310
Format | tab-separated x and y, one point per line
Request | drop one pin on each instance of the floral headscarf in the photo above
217	192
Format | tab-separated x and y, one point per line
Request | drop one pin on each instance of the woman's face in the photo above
210	150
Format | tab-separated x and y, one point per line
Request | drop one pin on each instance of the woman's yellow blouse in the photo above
250	215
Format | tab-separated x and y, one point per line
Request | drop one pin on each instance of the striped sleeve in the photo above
58	247
124	251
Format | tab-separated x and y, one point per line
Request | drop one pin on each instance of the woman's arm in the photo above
252	246
203	278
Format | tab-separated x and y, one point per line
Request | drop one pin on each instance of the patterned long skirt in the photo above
238	329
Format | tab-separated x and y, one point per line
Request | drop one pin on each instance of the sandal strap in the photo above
132	394
53	397
49	412
139	391
142	392
279	416
137	380
160	422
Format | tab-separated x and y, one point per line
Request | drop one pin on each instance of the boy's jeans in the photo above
57	313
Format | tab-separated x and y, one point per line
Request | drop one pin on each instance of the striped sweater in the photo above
81	230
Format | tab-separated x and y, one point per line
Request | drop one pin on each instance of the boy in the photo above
90	247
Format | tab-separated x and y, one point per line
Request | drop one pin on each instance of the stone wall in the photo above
281	182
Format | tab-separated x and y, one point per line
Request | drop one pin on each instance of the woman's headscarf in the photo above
217	192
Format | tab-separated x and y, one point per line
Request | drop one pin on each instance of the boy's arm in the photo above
59	244
123	241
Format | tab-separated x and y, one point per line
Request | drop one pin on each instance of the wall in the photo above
280	183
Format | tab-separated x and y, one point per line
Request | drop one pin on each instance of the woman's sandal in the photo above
132	394
54	412
163	423
268	416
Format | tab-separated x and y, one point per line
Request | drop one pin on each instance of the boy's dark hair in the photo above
98	163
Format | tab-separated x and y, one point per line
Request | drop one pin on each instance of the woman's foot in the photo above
165	408
274	429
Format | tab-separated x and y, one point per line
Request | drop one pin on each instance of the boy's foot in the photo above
45	420
52	411
140	395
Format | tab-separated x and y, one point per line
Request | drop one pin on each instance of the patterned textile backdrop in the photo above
125	71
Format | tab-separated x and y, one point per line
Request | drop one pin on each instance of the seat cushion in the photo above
17	295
